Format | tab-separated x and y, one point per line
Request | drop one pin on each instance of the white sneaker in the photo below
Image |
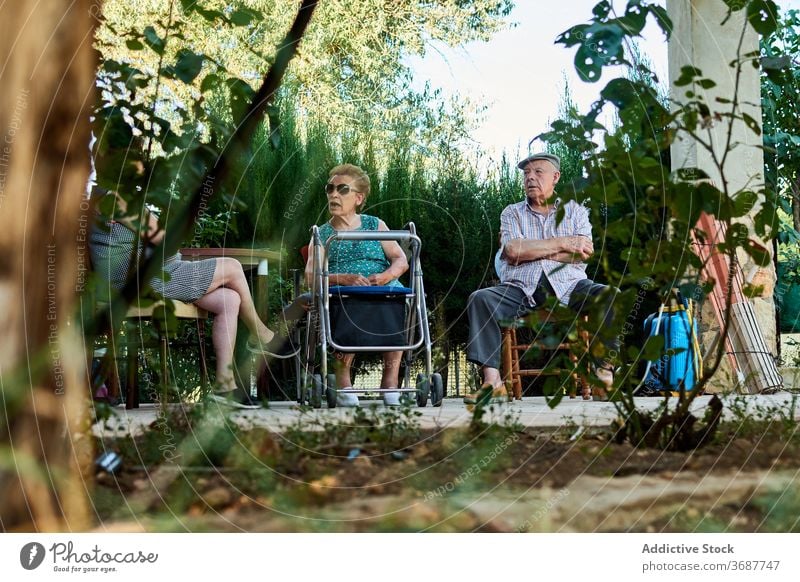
346	400
391	398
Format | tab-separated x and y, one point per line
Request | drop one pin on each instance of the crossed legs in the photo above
228	298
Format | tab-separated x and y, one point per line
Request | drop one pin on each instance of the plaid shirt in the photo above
519	221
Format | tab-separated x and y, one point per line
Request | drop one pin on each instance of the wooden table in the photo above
250	259
247	257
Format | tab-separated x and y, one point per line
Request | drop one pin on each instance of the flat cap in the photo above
552	158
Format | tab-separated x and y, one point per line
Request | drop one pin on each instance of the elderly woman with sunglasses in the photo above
365	262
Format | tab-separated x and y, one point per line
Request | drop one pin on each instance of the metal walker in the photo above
319	335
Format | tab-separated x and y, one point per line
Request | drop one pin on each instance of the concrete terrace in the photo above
530	412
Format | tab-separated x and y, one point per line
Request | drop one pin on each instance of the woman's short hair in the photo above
360	178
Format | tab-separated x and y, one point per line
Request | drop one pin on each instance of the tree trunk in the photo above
796	205
48	87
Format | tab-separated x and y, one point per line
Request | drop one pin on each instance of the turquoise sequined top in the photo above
364	257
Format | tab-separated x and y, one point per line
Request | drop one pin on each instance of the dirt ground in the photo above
355	477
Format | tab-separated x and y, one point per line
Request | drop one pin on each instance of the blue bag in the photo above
680	365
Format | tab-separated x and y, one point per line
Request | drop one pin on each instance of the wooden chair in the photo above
134	343
513	351
134	316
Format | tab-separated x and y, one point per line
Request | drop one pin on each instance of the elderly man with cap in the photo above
540	257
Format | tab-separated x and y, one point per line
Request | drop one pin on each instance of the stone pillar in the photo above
701	40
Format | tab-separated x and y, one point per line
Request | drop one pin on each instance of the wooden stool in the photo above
513	371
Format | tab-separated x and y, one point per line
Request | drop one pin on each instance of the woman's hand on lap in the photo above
352	279
379	279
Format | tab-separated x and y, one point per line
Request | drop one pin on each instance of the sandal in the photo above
279	347
235	399
488	394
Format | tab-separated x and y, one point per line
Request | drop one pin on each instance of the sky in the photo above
520	74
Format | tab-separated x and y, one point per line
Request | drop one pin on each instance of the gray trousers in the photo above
488	308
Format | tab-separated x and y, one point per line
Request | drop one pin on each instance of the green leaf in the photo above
561	212
601	9
209	82
573	36
736	5
690	174
650	171
153	40
737	235
145	300
634	21
241	95
210	15
134	45
744	202
106	207
189	6
588	64
188	65
243	16
688	74
553	391
763	16
706	83
751	123
760	255
620	92
653	347
663	19
168	71
117	133
692	291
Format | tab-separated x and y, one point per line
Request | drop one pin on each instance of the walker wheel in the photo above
304	392
423	387
330	391
316	392
437	390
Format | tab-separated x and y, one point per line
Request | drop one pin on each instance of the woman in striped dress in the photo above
216	285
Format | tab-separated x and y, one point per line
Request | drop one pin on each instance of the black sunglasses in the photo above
342	189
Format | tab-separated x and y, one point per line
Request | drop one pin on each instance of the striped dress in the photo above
111	245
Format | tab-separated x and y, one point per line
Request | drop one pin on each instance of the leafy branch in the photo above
631	173
206	169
